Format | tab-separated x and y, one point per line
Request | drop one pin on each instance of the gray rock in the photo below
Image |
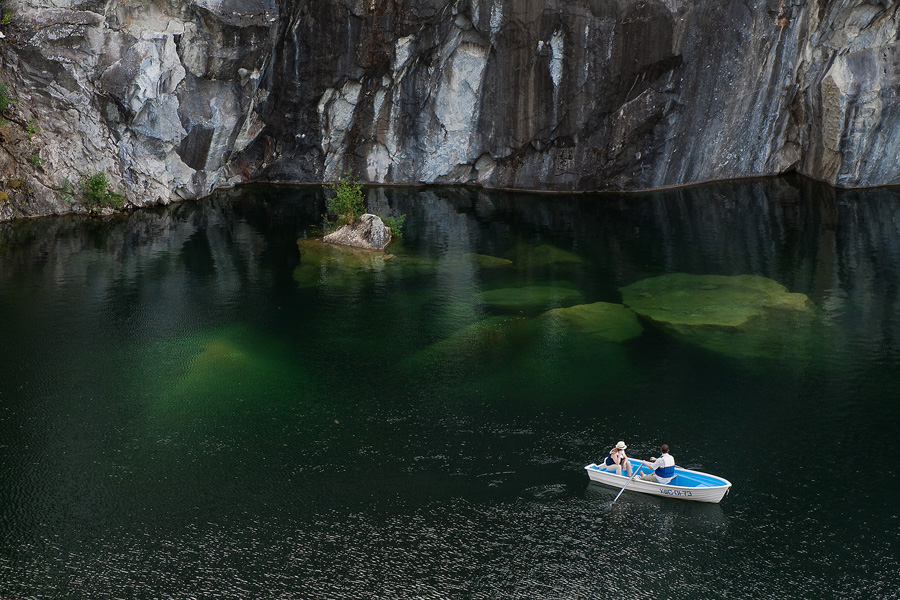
154	94
368	232
172	98
568	95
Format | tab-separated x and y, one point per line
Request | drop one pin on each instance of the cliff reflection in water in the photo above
832	245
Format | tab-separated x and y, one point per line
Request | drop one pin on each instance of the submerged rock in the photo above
531	298
488	262
680	301
528	359
491	334
368	231
544	255
743	315
328	264
217	371
612	322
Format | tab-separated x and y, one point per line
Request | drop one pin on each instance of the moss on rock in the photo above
743	315
532	298
612	322
330	264
544	255
681	301
488	262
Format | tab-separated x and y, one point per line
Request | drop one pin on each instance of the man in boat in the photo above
663	467
616	459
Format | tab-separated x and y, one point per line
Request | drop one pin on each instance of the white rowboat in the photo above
686	485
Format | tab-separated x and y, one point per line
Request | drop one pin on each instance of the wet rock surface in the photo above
173	98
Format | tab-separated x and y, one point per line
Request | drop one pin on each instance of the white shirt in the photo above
666	460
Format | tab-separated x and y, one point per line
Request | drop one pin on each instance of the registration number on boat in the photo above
675	492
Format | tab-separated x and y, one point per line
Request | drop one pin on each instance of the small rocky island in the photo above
368	231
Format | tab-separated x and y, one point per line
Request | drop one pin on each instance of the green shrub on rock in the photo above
96	192
395	224
347	202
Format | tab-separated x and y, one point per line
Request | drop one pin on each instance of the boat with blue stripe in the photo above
686	485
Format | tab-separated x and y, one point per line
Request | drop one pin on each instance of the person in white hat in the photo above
617	459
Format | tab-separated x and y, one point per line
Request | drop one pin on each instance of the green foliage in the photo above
396	224
67	191
35	160
96	193
31	128
67	188
6	15
346	204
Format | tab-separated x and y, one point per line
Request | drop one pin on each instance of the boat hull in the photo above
689	485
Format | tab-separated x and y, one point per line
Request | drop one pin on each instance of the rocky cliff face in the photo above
155	94
171	98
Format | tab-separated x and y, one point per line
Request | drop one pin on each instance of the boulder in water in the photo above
368	231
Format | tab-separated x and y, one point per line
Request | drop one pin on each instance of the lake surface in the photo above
195	405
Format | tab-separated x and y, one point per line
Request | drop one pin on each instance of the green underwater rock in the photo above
488	262
545	254
489	340
742	315
612	322
532	360
329	264
681	302
216	371
531	298
487	334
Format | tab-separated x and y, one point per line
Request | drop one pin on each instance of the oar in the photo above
633	475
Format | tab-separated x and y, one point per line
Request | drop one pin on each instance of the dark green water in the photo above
191	408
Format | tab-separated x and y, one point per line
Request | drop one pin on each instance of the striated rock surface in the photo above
171	98
158	95
575	95
368	231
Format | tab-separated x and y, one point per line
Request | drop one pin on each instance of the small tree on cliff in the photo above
346	201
